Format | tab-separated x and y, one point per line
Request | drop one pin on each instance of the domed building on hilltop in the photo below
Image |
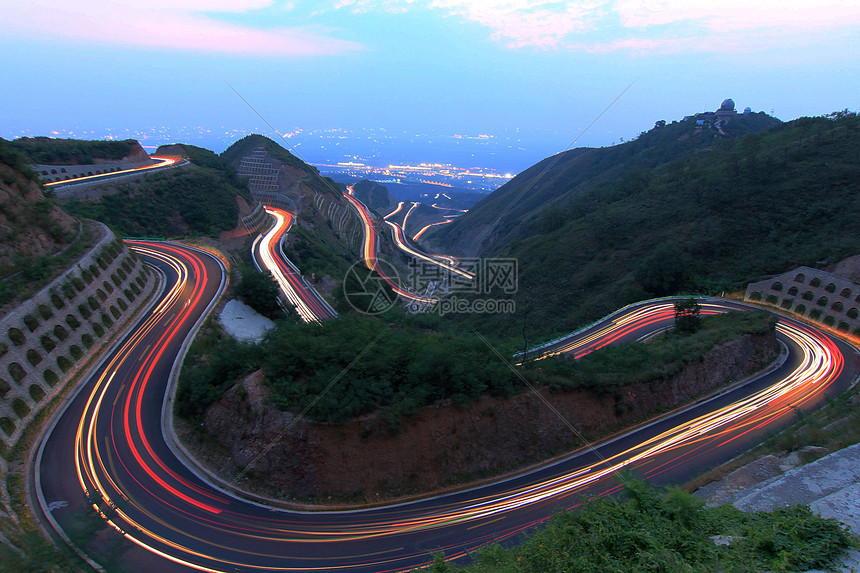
727	110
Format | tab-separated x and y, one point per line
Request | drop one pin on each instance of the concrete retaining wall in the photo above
45	341
817	295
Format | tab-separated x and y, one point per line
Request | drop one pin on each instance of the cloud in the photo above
186	25
667	26
521	23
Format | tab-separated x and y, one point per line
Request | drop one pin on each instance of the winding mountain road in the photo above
110	442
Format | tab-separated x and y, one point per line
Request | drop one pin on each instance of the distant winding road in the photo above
109	442
268	253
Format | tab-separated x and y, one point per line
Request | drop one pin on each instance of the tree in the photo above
259	291
687	319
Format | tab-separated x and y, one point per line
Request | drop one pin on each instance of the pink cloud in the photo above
177	25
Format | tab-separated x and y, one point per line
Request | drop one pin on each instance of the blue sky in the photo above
445	66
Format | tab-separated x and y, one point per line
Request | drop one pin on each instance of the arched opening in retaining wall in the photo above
8	426
36	393
20	408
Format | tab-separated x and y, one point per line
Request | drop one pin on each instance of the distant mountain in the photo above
512	211
681	209
374	195
326	236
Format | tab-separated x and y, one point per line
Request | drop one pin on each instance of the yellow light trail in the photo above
162	162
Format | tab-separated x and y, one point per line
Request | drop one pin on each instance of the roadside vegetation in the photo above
198	201
652	530
48	150
408	366
671	214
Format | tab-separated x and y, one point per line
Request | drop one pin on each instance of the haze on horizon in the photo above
543	67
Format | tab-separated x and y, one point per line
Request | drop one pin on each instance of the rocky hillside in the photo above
374	195
326	235
444	444
31	225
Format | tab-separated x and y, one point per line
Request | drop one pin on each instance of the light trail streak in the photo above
426	227
162	162
396	211
308	307
369	249
167	513
400	240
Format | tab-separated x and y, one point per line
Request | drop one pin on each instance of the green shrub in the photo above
57	301
17	372
7	425
47	343
45	311
64	363
50	377
33	357
36	393
20	407
68	291
17	336
31	322
87	341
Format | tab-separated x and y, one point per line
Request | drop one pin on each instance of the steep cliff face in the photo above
444	444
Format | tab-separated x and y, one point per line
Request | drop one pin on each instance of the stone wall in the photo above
48	338
813	294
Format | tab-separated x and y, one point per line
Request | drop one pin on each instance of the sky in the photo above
562	74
